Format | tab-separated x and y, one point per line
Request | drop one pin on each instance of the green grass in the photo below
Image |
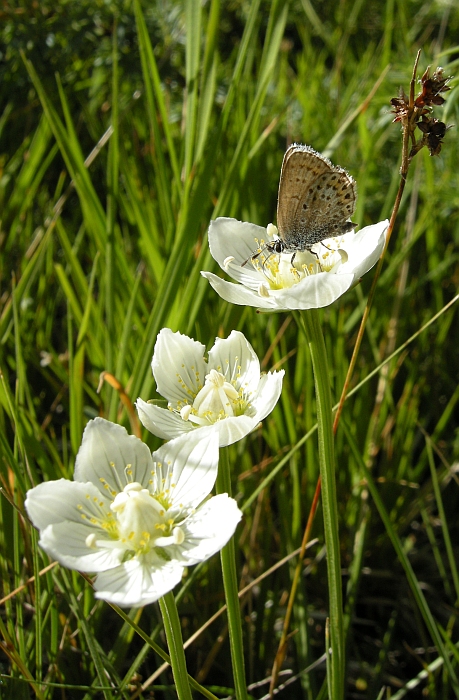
201	105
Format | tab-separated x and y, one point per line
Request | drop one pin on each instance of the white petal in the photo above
193	459
160	421
231	430
268	394
135	583
208	530
55	509
67	543
235	358
313	292
57	501
107	449
230	237
247	275
178	366
365	250
237	294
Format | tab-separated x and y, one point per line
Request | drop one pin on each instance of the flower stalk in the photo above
229	574
309	322
175	643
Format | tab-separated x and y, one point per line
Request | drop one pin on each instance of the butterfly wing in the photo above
315	198
333	202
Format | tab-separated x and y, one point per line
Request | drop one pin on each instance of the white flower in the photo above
134	519
269	280
226	391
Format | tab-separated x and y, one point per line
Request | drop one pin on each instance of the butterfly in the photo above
316	200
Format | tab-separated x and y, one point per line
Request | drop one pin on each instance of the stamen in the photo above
185	412
90	541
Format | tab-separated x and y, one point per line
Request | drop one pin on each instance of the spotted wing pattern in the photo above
316	199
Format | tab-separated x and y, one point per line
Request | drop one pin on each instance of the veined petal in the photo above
136	583
208	529
237	294
269	391
62	511
105	453
238	239
67	543
57	501
192	462
178	366
233	429
160	421
366	249
313	292
235	358
247	275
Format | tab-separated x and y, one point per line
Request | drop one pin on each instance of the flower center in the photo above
142	522
281	273
218	399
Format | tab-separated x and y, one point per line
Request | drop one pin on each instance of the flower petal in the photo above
313	292
106	450
178	366
230	430
193	459
66	542
208	529
160	421
235	358
269	391
237	294
57	501
238	239
55	508
138	583
365	250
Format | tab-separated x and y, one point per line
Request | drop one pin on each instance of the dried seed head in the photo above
434	132
414	112
401	106
431	88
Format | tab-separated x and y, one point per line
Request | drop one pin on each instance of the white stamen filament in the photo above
177	537
185	412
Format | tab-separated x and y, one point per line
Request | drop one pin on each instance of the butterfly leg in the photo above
318	257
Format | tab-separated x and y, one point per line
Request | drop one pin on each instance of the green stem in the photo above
228	559
309	322
175	643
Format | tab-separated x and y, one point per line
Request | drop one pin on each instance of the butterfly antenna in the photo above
254	256
276	246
